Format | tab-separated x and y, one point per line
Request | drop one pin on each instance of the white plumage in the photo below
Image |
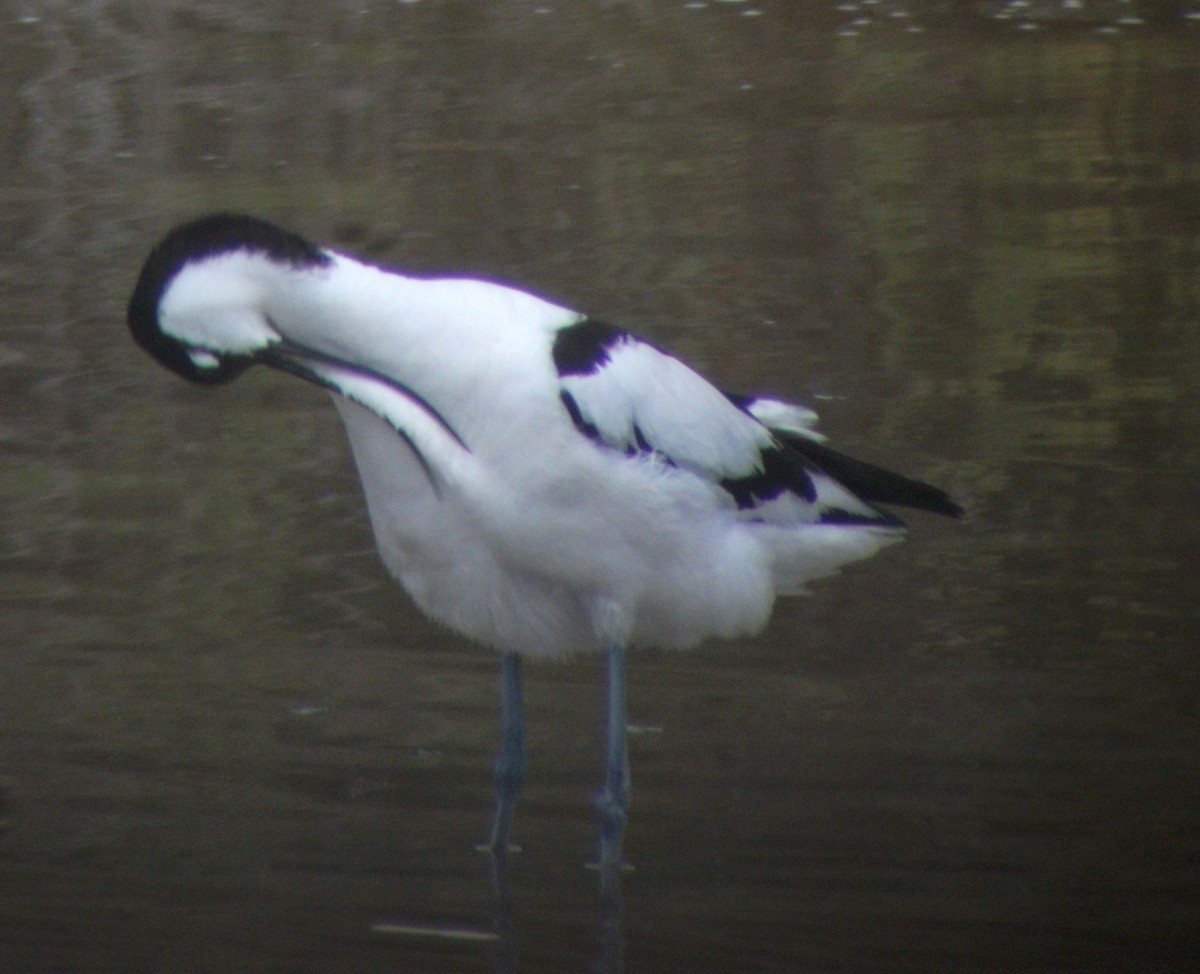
539	481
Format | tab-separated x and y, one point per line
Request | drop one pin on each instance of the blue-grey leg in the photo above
613	803
510	763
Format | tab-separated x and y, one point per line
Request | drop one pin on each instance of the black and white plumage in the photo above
539	481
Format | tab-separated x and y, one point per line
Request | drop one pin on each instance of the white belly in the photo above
588	548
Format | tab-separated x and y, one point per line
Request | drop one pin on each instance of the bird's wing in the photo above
632	397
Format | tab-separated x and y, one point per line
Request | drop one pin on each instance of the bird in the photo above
540	481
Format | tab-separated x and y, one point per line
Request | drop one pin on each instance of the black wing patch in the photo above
587	429
782	470
640	444
583	348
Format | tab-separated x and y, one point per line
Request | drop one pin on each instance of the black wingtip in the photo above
873	484
930	499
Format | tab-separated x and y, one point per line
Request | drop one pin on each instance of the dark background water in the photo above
966	233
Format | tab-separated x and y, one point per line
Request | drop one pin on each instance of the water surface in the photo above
968	237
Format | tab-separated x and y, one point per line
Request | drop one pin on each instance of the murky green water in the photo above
968	236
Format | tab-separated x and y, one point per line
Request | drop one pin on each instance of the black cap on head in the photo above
208	236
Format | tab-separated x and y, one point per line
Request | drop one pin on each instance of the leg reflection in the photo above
610	934
504	955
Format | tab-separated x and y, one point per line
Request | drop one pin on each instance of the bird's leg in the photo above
510	763
613	802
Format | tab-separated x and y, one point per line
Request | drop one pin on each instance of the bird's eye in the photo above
203	359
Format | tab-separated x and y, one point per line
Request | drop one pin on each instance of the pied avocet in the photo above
539	481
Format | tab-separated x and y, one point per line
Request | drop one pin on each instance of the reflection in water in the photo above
609	916
973	242
506	953
504	935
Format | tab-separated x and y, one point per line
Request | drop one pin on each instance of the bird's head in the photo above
199	303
